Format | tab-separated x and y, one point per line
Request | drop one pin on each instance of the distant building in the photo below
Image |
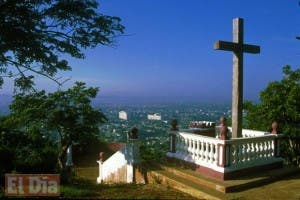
123	115
155	116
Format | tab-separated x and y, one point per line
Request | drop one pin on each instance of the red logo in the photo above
32	185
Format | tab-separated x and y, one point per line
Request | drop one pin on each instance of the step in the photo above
192	176
243	183
183	185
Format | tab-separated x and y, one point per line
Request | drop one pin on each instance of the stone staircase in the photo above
181	183
190	182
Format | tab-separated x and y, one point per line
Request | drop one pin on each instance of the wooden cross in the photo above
238	47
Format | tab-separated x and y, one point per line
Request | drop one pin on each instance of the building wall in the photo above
123	115
154	117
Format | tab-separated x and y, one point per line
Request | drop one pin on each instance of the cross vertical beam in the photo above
237	80
238	48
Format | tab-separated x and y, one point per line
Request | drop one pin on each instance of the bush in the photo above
154	152
23	153
6	162
36	160
6	158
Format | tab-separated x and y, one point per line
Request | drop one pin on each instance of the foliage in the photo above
154	152
6	156
22	153
68	114
35	34
71	191
278	101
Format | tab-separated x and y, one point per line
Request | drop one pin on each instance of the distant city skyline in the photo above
167	50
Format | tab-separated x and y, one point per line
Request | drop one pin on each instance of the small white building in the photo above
123	166
155	116
123	115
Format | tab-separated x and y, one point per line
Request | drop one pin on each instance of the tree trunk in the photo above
61	156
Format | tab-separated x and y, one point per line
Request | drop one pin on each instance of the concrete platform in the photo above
187	179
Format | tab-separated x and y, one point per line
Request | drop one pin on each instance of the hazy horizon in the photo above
142	100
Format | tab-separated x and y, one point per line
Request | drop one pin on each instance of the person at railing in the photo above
274	128
172	135
223	128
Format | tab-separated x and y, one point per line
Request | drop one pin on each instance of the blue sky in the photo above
168	49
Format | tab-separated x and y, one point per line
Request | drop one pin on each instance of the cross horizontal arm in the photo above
236	47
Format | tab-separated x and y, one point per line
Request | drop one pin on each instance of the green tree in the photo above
68	114
35	34
279	101
26	152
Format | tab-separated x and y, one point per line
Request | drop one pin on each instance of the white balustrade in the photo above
195	148
253	149
251	133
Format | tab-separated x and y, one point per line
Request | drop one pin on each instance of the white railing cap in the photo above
257	138
199	137
230	141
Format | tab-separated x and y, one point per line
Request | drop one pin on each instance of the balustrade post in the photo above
202	150
186	146
100	162
190	148
172	136
132	147
132	151
228	155
224	155
276	147
198	149
194	148
211	154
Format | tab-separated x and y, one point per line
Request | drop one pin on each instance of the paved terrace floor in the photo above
288	188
